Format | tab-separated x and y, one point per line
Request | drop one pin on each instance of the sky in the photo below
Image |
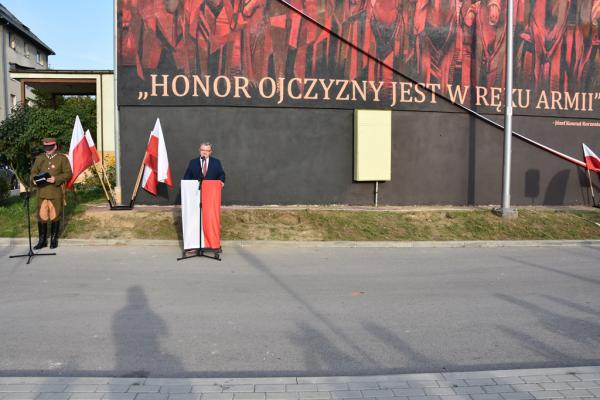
79	31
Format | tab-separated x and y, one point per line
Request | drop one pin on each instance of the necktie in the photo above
204	167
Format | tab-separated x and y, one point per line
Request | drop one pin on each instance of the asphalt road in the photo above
135	311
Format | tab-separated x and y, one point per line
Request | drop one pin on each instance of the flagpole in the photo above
137	183
110	189
505	209
591	187
102	183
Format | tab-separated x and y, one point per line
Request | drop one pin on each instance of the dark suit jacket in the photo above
215	170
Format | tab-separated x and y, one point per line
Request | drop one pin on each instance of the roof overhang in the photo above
61	82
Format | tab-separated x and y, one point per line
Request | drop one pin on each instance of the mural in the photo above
350	53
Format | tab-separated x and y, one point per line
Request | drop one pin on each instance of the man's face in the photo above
205	151
50	149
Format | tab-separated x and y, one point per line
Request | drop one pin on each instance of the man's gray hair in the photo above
207	144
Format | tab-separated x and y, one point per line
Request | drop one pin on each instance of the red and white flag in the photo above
80	155
156	162
592	161
92	146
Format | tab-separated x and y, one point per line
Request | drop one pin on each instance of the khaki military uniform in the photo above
50	196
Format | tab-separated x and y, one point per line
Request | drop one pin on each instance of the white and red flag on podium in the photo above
80	155
201	225
156	162
592	161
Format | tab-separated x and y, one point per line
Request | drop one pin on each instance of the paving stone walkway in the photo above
523	384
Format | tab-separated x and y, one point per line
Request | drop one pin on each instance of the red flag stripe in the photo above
82	160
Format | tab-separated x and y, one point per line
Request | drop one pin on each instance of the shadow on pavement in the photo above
579	330
137	331
341	336
393	340
320	353
558	271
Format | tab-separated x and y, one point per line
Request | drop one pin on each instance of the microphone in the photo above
202	158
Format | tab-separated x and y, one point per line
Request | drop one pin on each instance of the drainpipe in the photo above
5	74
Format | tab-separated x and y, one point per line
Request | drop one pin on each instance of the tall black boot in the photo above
42	236
54	228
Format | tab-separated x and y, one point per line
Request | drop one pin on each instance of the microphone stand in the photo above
30	254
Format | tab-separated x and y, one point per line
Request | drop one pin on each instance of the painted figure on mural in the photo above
353	63
233	38
213	25
379	30
435	28
310	47
408	16
445	42
548	24
389	39
154	36
579	42
131	28
486	20
591	67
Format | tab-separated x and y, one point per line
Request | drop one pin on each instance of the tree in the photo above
21	133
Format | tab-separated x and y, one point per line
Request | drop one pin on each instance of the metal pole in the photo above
506	211
116	106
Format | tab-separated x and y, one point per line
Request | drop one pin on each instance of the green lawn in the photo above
84	221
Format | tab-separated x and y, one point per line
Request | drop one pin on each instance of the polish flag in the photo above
92	146
80	155
156	162
592	161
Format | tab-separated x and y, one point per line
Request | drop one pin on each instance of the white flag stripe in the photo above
163	160
88	137
76	137
588	152
147	173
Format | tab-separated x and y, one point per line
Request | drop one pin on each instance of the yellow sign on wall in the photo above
372	145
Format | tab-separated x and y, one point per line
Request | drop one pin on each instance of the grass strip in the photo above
317	224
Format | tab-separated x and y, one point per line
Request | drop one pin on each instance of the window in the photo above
26	49
13	100
11	40
38	57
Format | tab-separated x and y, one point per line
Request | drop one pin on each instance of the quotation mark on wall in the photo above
144	95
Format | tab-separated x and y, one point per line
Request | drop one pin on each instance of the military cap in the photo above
49	141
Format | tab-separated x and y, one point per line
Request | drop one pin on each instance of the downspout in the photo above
5	74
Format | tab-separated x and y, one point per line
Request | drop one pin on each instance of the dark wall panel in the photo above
305	156
449	158
270	156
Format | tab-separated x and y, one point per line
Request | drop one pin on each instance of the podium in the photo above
201	217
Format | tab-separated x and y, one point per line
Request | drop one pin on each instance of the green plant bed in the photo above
13	222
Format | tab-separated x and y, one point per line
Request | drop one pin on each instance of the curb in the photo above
588	373
322	244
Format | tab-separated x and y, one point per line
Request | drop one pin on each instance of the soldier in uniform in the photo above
50	195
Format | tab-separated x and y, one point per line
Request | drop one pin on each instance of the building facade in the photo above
277	85
20	49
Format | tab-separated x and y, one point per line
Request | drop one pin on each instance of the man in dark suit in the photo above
205	167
